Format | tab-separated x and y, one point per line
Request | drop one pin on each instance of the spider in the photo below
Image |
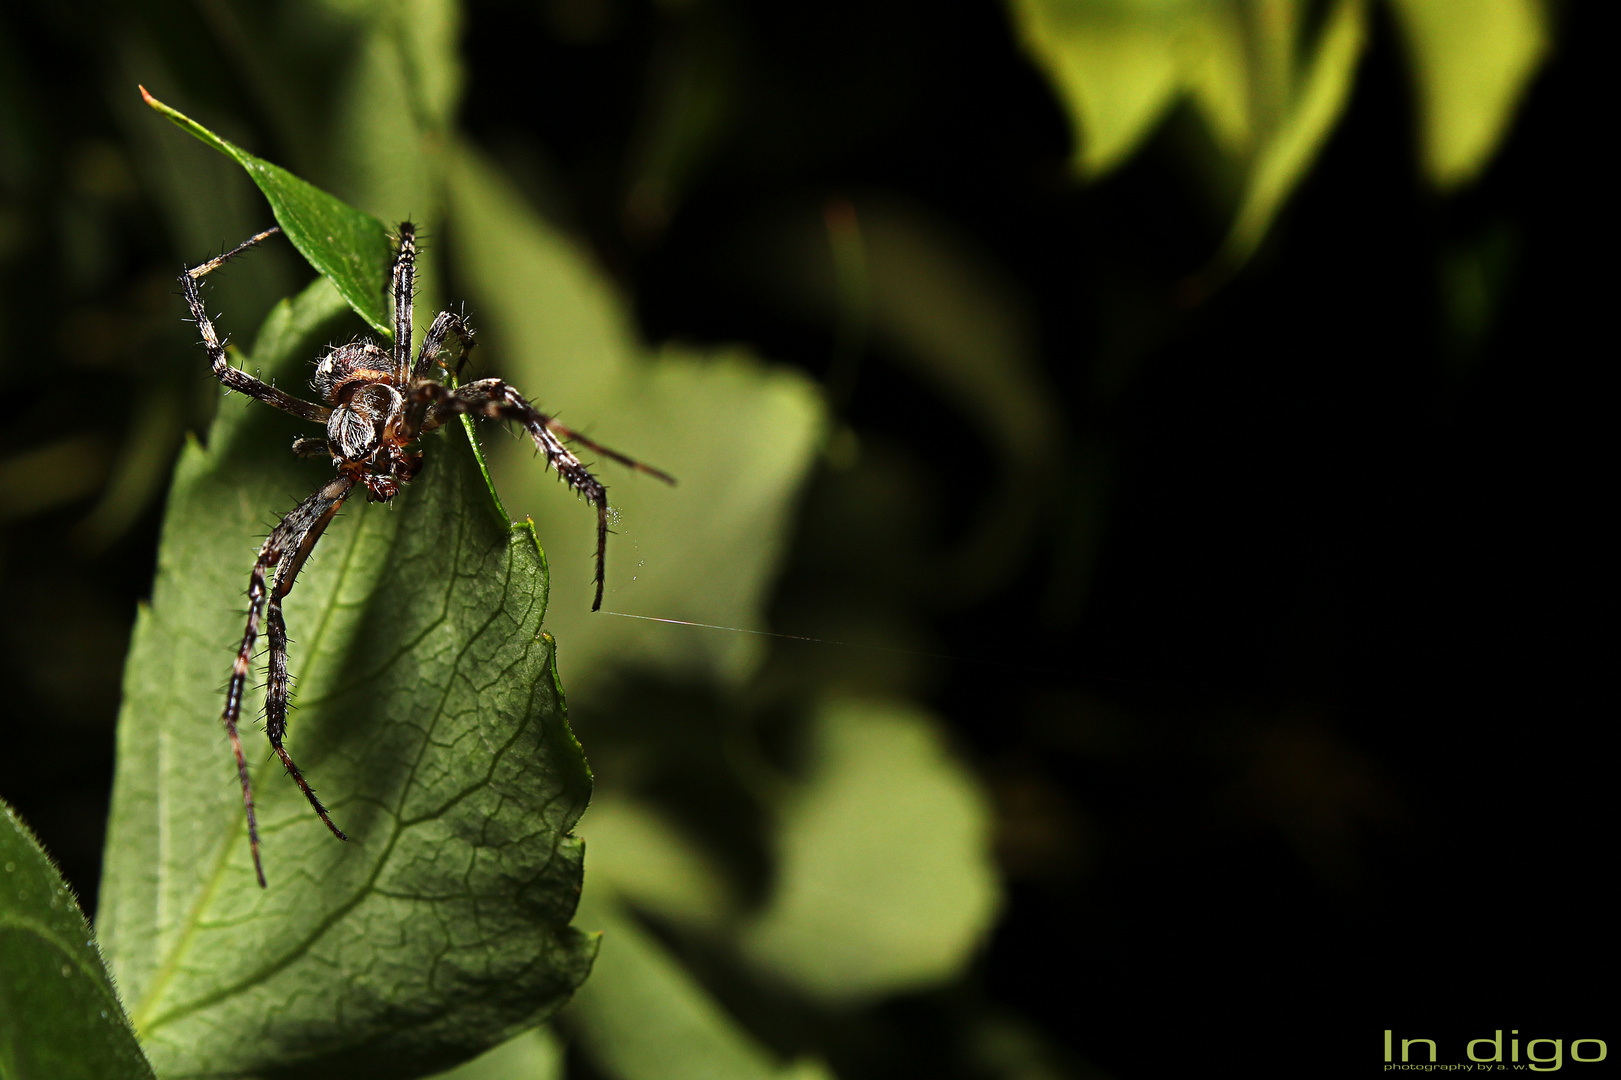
379	404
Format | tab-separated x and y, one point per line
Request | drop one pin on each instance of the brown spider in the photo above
379	405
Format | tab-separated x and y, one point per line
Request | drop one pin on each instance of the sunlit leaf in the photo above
1113	64
430	716
1288	151
884	879
59	1016
1472	60
349	248
1118	66
1215	58
1270	84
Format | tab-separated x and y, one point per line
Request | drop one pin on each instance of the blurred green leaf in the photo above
349	248
884	879
1271	88
1472	60
643	1016
1286	154
1120	64
48	476
653	864
1269	85
738	435
430	37
948	314
428	710
386	158
537	1054
59	1016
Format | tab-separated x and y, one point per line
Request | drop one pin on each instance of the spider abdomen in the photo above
349	366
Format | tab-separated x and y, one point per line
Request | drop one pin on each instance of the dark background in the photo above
1295	738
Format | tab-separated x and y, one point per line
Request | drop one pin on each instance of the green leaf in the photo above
537	1054
59	1016
644	1017
884	878
1114	65
656	866
1289	150
1269	93
739	435
945	312
1119	65
1473	60
430	716
388	164
349	248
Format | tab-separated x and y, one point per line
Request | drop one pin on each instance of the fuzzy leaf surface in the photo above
59	1015
429	715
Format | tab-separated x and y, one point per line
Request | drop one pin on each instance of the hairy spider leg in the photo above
446	322
497	400
403	287
306	447
284	549
220	260
276	708
613	455
276	685
235	378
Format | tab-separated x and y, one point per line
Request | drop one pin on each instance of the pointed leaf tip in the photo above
348	247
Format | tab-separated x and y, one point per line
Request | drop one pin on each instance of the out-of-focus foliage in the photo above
537	1054
646	1018
894	277
1472	60
59	1015
883	882
738	436
1270	79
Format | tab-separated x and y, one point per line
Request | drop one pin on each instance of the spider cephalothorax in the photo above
380	402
